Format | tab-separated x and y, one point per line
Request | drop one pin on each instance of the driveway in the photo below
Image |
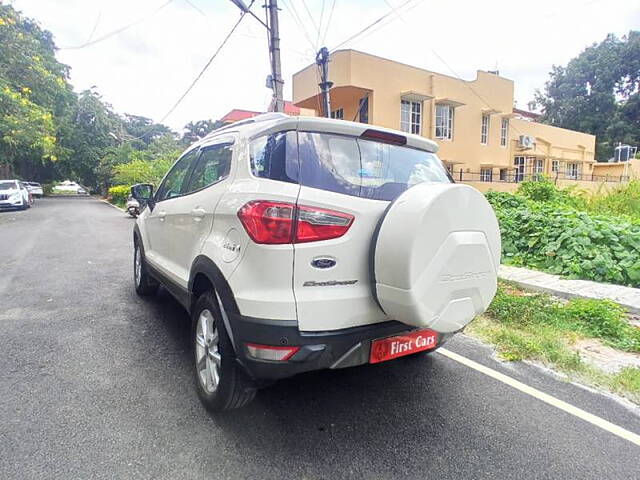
97	383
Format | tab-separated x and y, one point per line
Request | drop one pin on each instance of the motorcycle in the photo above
133	207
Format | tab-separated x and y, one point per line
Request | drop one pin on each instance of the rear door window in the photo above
213	165
275	156
364	168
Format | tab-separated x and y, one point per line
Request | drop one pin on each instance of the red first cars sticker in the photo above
401	345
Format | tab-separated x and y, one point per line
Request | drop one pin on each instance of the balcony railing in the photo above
462	176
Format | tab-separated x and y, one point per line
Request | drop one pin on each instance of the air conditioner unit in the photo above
526	141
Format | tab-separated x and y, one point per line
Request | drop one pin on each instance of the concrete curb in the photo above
114	206
627	297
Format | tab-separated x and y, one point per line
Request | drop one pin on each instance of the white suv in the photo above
300	244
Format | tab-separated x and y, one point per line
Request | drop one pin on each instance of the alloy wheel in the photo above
137	266
208	359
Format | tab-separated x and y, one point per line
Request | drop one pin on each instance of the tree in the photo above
35	98
144	129
96	128
597	93
195	131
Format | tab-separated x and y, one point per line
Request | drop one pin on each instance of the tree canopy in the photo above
597	92
49	132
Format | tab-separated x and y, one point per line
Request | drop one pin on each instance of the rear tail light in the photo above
268	352
279	222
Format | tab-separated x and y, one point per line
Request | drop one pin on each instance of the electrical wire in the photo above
193	83
371	25
320	25
304	4
326	30
118	30
296	19
455	74
204	69
195	7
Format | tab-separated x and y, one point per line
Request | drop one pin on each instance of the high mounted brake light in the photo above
274	223
384	137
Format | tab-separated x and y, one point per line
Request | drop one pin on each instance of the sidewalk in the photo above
545	282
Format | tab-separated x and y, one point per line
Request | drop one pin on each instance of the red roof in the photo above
237	114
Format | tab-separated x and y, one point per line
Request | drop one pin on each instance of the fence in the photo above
513	177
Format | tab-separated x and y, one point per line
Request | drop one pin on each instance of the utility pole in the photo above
322	60
273	31
274	54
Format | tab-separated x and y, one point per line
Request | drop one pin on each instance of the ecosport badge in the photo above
329	283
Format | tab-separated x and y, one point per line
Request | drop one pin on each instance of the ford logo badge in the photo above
323	262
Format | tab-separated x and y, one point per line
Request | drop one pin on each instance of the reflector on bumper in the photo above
271	353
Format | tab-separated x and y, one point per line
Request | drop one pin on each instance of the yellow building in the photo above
483	139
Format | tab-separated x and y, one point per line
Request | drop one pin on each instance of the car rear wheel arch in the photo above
206	275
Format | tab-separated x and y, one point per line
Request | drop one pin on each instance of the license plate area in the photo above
397	346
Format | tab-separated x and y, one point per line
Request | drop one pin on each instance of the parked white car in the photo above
70	187
300	243
14	194
35	188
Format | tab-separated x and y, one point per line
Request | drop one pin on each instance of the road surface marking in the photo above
545	397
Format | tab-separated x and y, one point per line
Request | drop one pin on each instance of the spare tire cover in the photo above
436	256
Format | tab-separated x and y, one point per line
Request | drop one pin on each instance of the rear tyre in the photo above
145	284
220	381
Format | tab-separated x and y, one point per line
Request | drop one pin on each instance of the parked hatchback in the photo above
300	244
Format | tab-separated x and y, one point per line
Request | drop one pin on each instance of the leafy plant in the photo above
119	194
556	237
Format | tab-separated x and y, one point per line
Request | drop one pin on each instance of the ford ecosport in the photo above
300	243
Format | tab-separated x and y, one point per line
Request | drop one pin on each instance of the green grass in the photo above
530	326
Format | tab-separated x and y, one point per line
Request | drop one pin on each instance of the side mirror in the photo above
143	193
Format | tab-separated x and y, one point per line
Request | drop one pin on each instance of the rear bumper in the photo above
319	350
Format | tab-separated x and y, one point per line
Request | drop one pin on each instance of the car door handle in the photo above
161	215
198	213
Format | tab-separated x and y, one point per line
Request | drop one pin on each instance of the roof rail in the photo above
263	117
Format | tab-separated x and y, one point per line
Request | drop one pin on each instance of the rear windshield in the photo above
347	165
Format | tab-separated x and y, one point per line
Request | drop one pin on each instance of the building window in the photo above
519	164
363	113
484	131
538	168
504	132
572	170
410	116
486	174
339	114
503	174
555	166
444	121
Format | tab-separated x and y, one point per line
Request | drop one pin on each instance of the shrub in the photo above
559	239
542	190
119	194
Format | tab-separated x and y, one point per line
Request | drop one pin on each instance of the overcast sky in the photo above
144	69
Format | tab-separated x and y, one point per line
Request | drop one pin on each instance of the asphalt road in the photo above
97	383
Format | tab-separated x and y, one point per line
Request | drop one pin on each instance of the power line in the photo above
320	25
326	30
195	7
304	4
118	30
204	69
296	19
193	83
371	25
455	74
